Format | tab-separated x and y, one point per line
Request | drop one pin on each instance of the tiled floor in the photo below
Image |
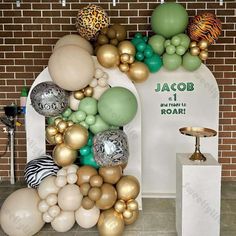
156	219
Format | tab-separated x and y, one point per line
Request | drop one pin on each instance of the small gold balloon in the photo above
195	51
120	206
84	174
114	42
131	59
193	44
61	126
84	189
124	58
121	31
78	95
203	55
50	139
110	223
127	188
87	203
203	44
95	193
108	56
126	47
70	123
132	205
76	136
132	219
124	67
63	155
51	130
57	120
58	138
127	214
96	181
138	72
88	91
110	174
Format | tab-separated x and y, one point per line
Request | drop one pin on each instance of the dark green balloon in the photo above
141	46
139	56
153	63
138	36
172	62
148	52
84	151
136	41
191	63
89	161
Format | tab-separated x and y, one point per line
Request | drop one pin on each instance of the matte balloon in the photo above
54	211
48	99
71	178
43	206
61	181
170	49
154	63
176	40
47	187
51	199
73	102
191	63
180	50
138	72
84	174
71	67
19	213
87	218
171	62
74	39
169	19
110	174
184	40
157	44
126	47
98	91
110	223
88	105
64	221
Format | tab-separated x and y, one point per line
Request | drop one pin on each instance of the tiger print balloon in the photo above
205	26
90	20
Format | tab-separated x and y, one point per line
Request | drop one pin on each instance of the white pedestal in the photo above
198	187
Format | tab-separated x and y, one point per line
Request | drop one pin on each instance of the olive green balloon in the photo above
184	40
191	63
99	125
117	106
88	105
171	62
157	44
169	19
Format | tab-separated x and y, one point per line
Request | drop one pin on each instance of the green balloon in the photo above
136	41
180	50
80	115
175	40
141	46
117	106
191	63
167	43
73	118
90	120
89	161
99	126
84	151
184	40
50	120
157	44
90	139
153	63
148	52
84	124
170	49
138	36
67	112
169	19
139	56
88	105
171	62
145	39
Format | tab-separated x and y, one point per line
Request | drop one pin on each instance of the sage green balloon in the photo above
88	105
184	40
117	106
99	125
157	44
172	62
169	19
67	112
191	63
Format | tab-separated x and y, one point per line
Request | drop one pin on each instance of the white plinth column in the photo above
198	186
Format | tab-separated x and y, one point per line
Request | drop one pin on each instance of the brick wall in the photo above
28	33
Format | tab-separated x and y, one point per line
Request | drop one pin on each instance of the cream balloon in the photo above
62	172
72	178
87	218
51	199
73	102
74	39
47	218
54	211
98	91
43	206
72	169
61	181
69	198
64	221
19	213
71	67
47	186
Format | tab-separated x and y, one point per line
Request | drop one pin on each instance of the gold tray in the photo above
198	132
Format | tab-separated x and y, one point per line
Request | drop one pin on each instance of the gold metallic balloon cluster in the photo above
86	92
199	49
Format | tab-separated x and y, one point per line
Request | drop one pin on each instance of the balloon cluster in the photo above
199	49
145	53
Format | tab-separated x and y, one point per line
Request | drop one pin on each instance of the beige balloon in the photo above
64	221
71	67
47	186
128	188
87	218
98	91
84	174
126	47
74	39
51	199
108	197
54	211
138	72
108	56
76	136
19	213
43	206
73	103
110	223
61	181
69	197
129	221
111	174
63	155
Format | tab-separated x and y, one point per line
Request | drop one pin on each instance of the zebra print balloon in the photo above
38	169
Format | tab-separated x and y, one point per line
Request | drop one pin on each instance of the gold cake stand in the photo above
198	132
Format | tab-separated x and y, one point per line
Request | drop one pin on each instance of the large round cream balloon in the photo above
87	218
64	221
74	39
47	186
20	215
71	67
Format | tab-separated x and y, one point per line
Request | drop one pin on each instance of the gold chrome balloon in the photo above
84	174
96	181
195	51
131	59
110	174
127	188
138	72
108	56
51	130
124	58
95	193
58	138
193	44
84	189
203	55
127	214
203	44
70	123
57	120
120	206
76	136
78	95
132	219
110	223
87	203
126	47
124	67
61	126
132	205
63	155
88	91
50	139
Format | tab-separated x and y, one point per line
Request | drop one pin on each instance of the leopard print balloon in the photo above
90	20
